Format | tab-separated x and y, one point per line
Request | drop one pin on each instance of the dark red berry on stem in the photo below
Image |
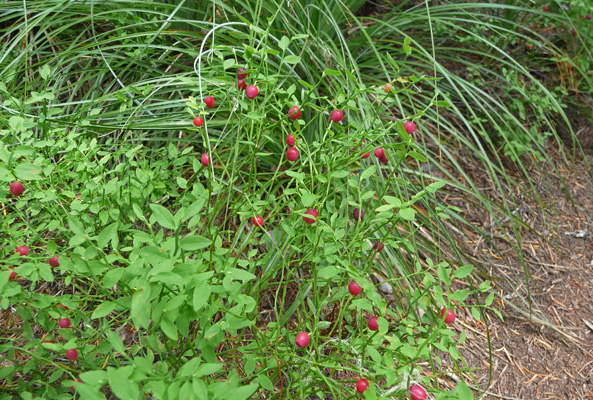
294	112
302	339
209	101
54	261
354	288
292	154
17	188
241	74
546	8
198	122
529	46
241	84
258	221
450	318
379	152
589	17
373	323
384	160
204	159
378	246
251	91
362	385
417	392
72	354
62	306
313	212
13	275
574	32
337	115
367	155
290	140
358	214
64	323
23	250
410	127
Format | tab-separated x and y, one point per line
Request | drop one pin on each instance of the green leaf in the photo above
407	48
169	329
409	214
107	234
374	354
207	369
328	272
112	277
94	377
433	187
76	226
476	313
284	43
462	272
367	173
201	295
339	174
44	72
464	392
116	342
28	172
265	382
460	295
189	367
163	216
292	59
104	309
489	299
195	242
120	383
140	311
307	199
332	72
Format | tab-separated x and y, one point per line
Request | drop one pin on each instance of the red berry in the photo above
313	212
64	323
302	339
294	112
379	152
17	188
410	127
292	154
241	84
574	32
258	221
450	318
378	246
23	250
62	306
78	197
13	274
337	115
384	160
354	288
546	8
241	74
589	17
72	388
529	46
358	214
198	122
251	92
417	393
290	140
362	385
72	354
54	261
204	159
367	155
209	101
373	323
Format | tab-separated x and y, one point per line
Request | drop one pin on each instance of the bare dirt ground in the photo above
545	353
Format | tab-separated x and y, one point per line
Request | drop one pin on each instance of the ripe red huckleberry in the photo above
13	274
354	288
410	127
358	214
589	17
62	306
313	212
241	74
292	154
294	112
23	250
378	246
362	385
337	115
64	323
16	188
209	101
379	152
241	84
546	8
373	323
290	140
54	261
367	155
204	159
417	392
384	159
251	91
258	221
72	354
450	318
198	122
302	339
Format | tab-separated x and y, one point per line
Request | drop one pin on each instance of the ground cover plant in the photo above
191	209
